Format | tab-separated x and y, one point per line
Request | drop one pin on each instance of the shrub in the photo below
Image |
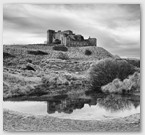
107	70
132	83
29	61
88	52
63	79
38	52
53	80
60	48
7	55
63	56
38	91
114	87
29	68
134	62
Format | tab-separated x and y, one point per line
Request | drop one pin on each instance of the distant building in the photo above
68	38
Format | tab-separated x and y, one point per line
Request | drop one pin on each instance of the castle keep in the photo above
68	38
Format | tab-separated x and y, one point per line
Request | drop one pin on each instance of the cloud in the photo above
114	26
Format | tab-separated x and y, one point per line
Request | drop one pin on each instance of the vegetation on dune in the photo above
88	52
134	62
17	85
54	82
60	48
63	79
128	85
65	64
63	56
106	70
38	52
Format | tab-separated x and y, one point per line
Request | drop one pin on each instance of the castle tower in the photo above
50	35
92	41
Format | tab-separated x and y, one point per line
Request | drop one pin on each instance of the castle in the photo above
68	38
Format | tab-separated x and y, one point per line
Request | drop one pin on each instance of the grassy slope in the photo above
77	62
18	80
57	73
73	52
14	121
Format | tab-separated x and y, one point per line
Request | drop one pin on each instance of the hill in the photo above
39	69
73	52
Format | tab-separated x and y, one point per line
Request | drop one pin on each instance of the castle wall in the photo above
61	37
64	42
92	41
77	43
57	35
67	40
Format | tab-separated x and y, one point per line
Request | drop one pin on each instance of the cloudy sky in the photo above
116	27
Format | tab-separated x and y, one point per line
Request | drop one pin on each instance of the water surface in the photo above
92	107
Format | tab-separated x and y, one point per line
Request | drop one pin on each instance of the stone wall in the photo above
81	43
77	43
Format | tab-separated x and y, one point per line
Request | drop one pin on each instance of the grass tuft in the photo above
63	56
60	48
88	52
7	55
38	52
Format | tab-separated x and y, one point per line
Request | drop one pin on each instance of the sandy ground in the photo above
15	121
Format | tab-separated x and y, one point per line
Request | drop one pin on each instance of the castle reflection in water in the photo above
112	102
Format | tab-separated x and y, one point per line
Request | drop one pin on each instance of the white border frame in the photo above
142	56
